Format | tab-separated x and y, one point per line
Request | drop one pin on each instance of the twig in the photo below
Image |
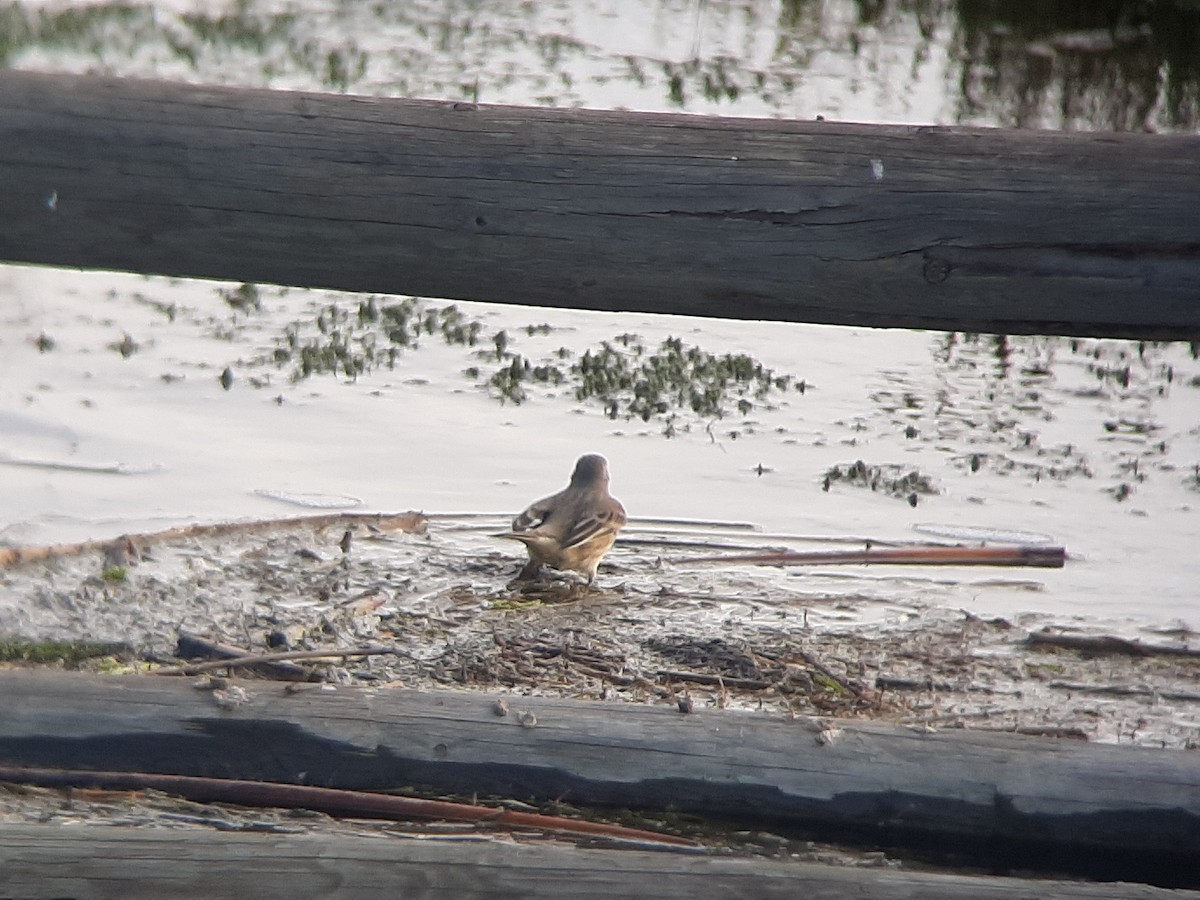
702	678
892	683
254	659
408	522
845	685
1043	557
1104	645
698	543
1066	732
1069	732
706	524
1125	690
634	521
334	802
191	646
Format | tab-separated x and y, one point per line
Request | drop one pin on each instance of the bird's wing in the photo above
608	520
535	516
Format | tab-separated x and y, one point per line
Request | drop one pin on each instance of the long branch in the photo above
1042	557
364	804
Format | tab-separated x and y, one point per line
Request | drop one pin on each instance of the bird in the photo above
573	529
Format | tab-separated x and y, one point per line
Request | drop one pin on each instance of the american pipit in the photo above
573	529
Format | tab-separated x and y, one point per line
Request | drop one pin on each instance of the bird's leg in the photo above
530	571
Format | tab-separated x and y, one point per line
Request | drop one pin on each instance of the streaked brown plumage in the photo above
573	529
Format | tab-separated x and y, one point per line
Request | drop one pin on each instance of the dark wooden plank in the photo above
965	229
90	863
911	786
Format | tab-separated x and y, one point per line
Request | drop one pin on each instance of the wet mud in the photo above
434	602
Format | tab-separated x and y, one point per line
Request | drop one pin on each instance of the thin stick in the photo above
407	522
253	659
753	684
1125	690
690	524
698	543
334	802
1042	557
1105	645
193	647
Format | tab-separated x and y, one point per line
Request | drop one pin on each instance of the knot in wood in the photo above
936	270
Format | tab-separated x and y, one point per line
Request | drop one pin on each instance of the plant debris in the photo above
420	602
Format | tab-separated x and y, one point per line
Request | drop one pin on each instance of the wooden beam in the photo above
918	227
88	862
1125	808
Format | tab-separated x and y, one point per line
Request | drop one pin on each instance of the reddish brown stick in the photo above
1042	557
361	804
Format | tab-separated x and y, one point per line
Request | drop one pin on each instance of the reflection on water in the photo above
1082	66
997	404
1103	65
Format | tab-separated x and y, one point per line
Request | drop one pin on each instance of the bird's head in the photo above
590	470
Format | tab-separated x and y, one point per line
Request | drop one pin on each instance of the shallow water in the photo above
1092	444
1028	439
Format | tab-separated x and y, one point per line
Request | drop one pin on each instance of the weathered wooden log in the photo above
102	862
929	227
1130	808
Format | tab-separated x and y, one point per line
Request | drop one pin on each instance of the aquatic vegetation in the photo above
244	298
716	80
127	346
674	382
894	480
373	335
114	574
632	382
1121	492
1192	480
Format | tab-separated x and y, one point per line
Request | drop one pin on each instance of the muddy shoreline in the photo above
438	596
